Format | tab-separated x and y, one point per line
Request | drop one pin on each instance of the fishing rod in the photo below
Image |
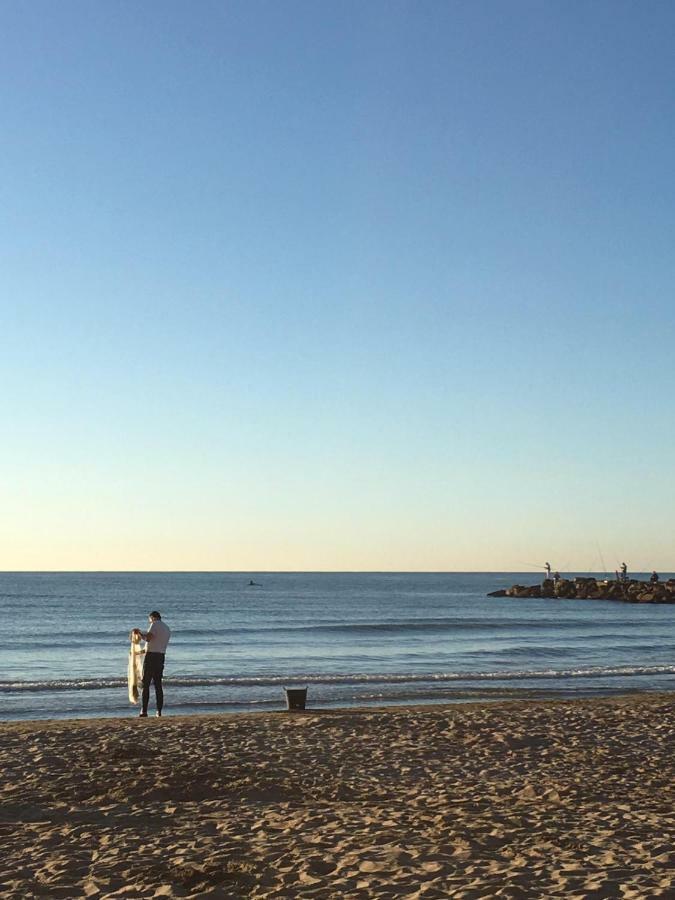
604	567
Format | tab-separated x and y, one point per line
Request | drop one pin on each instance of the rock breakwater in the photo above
630	591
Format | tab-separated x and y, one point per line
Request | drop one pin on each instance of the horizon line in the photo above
292	571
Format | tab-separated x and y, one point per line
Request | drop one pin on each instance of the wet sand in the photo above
568	799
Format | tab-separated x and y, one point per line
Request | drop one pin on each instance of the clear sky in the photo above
351	285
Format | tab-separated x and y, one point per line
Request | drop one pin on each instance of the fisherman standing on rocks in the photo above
547	566
624	572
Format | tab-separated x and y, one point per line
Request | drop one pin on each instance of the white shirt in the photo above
160	636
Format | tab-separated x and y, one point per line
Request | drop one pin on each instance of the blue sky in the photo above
336	286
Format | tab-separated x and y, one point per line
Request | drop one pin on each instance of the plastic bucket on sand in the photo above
296	698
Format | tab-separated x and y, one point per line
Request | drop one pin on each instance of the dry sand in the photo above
555	799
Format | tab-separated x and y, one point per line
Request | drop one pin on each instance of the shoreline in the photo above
383	709
527	798
466	698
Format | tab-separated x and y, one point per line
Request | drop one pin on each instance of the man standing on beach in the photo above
157	637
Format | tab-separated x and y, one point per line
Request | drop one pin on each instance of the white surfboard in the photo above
135	668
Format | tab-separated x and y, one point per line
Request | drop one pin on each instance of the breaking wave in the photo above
234	681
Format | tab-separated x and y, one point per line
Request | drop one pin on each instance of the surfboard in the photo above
135	668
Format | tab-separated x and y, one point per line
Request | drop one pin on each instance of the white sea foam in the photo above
186	681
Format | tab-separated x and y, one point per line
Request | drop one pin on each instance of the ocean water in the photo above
352	639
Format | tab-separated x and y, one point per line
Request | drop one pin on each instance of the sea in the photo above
352	639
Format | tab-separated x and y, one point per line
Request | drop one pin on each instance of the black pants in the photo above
153	668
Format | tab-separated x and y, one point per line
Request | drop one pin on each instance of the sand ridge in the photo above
566	799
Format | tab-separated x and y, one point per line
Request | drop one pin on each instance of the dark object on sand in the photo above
296	698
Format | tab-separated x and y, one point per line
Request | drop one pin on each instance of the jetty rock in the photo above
631	591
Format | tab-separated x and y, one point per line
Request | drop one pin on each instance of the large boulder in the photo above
632	591
548	587
521	590
565	589
586	588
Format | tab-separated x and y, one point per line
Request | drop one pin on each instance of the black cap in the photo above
155	615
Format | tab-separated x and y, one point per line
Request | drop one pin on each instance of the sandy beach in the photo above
531	799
